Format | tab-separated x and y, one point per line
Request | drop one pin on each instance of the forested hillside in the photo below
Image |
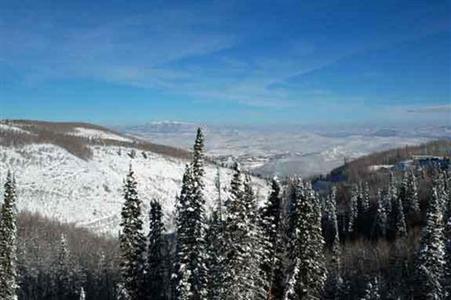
361	168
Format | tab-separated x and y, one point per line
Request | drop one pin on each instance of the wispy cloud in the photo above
206	52
127	50
434	109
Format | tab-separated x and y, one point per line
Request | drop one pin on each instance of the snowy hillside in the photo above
98	134
88	192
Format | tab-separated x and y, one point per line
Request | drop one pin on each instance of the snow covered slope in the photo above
88	192
98	134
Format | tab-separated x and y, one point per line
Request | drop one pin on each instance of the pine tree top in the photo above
198	156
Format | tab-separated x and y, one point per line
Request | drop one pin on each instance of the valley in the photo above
290	150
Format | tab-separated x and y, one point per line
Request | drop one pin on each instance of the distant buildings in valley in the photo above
417	162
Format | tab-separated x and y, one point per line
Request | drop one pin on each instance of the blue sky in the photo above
125	62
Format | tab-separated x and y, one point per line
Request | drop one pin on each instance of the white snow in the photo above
374	168
290	150
6	127
98	134
59	185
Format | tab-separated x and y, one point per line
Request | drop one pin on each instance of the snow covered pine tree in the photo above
431	255
8	232
409	196
215	256
308	272
333	289
65	278
257	245
132	242
353	211
215	247
240	281
270	224
379	229
191	255
156	262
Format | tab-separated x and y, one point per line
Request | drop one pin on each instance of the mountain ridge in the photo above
56	180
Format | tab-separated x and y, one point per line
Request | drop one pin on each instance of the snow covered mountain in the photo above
74	172
166	127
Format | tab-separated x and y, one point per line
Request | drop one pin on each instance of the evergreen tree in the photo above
182	275
8	245
270	225
396	219
258	244
362	206
102	278
399	228
447	275
334	284
191	273
219	191
287	239
353	211
363	224
365	197
380	220
336	248
215	256
156	259
441	182
236	239
66	281
63	280
408	193
215	246
390	195
447	194
132	241
431	255
241	267
308	272
290	237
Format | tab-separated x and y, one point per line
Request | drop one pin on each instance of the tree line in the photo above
296	244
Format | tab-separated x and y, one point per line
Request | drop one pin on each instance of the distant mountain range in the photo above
165	127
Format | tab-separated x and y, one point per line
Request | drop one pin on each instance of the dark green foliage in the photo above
132	241
236	240
215	256
334	284
8	244
308	267
431	255
191	274
156	266
68	278
408	194
379	229
271	214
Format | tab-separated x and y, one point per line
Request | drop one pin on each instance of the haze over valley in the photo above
291	149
